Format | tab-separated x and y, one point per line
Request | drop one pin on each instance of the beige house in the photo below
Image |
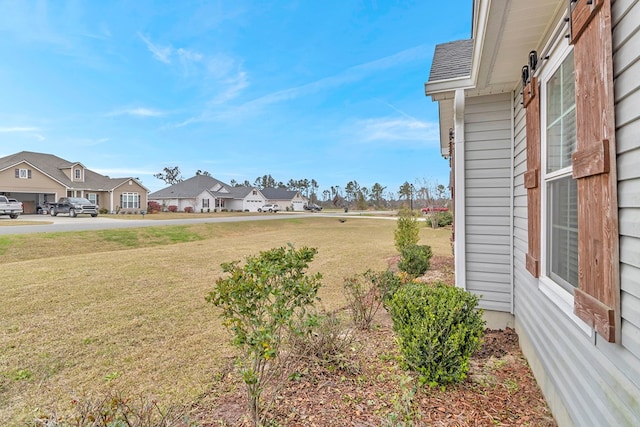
38	178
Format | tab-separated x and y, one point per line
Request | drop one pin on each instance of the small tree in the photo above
171	175
263	302
407	231
366	292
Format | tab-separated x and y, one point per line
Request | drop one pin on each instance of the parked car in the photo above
269	208
434	209
10	207
312	207
73	206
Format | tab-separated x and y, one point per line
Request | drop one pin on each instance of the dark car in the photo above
312	207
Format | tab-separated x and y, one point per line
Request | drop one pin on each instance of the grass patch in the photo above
91	312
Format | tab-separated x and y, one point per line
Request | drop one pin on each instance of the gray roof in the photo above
278	193
54	166
235	192
451	60
189	188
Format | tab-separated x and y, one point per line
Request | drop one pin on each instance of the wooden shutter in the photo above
531	101
597	298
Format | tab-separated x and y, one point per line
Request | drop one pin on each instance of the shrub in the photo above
153	207
407	230
172	208
326	340
188	209
416	259
365	294
445	218
262	302
439	327
114	410
103	211
440	219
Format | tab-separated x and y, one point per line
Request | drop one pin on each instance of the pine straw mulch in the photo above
369	388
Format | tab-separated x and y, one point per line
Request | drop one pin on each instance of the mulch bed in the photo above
369	388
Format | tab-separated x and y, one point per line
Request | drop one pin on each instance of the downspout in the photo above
459	245
512	203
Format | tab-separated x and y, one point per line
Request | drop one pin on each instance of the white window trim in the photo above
559	296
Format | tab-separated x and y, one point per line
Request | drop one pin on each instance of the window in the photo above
130	201
78	174
93	198
205	203
559	143
23	173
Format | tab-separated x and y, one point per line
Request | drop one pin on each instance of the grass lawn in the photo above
91	312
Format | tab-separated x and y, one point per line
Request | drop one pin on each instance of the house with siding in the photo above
540	118
287	199
38	178
203	193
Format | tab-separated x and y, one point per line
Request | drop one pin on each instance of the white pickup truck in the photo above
10	207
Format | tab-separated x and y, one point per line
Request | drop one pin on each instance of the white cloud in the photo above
348	75
138	112
395	129
166	54
161	53
19	129
28	131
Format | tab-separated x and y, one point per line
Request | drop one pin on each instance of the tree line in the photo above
420	193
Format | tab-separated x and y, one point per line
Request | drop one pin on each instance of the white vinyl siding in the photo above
626	46
488	199
596	384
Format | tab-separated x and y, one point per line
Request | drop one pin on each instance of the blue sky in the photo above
325	90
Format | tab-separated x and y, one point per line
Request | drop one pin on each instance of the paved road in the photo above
64	223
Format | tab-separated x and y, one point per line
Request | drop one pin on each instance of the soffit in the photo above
511	30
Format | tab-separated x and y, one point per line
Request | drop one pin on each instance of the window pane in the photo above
561	117
563	231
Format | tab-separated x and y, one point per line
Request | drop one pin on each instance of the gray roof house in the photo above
539	117
203	193
37	178
287	199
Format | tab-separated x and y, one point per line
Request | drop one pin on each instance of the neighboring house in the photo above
206	194
38	178
540	116
287	199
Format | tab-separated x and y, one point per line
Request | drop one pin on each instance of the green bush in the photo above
103	211
416	259
263	301
439	327
407	230
444	218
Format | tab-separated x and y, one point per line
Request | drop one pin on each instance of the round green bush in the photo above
439	327
416	259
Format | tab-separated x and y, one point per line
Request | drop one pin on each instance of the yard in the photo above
89	314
